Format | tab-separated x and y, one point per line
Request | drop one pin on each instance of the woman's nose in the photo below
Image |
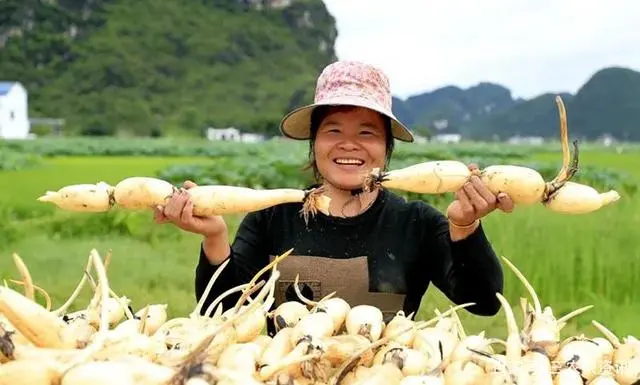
349	143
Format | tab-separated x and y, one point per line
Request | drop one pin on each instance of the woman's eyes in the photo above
361	132
337	131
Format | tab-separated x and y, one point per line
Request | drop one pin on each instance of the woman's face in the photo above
349	143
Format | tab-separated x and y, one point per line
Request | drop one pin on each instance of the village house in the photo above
14	111
232	134
530	140
445	133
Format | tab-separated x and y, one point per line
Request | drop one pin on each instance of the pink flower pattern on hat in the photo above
355	80
347	82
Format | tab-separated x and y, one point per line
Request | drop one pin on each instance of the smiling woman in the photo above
345	143
373	247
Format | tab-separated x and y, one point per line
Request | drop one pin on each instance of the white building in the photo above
227	134
446	138
444	133
532	140
14	111
232	134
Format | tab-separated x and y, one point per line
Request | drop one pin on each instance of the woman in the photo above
374	247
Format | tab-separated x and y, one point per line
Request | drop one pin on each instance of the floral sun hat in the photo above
347	83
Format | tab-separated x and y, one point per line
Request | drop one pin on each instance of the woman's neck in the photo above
344	204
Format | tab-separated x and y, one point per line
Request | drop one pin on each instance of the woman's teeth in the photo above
349	161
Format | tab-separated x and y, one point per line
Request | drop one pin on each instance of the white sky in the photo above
529	46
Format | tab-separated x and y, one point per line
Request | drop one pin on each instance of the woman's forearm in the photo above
216	247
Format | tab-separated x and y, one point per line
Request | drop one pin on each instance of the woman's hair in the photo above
318	114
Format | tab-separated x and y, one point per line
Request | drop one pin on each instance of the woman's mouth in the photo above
348	161
349	164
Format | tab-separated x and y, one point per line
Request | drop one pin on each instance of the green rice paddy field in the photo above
572	261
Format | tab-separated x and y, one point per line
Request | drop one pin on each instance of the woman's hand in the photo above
179	211
474	201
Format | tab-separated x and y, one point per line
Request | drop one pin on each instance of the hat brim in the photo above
297	123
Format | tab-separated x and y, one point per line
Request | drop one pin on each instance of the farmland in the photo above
571	261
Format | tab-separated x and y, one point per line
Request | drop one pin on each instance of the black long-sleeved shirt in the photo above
407	243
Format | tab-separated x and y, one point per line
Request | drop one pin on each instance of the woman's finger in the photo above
465	203
484	191
187	212
188	184
174	207
158	215
505	203
479	203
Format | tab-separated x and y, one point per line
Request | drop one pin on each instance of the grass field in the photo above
571	261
